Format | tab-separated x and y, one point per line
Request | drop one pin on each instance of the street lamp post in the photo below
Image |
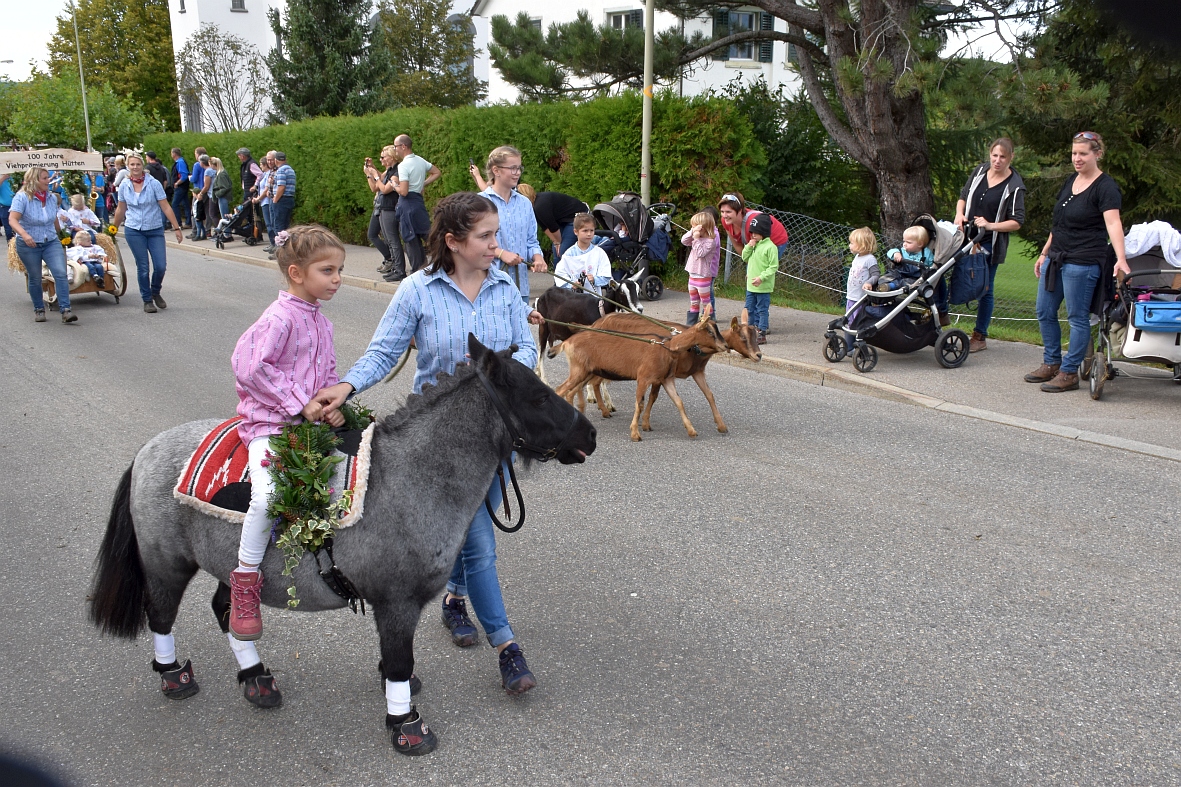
81	77
646	130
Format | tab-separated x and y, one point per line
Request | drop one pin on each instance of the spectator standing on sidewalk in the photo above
157	171
222	188
197	181
282	194
180	186
262	198
384	233
414	224
6	195
248	172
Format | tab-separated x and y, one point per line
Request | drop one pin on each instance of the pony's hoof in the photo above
411	736
258	686
177	682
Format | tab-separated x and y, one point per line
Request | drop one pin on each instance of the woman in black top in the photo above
555	213
993	200
383	226
1086	215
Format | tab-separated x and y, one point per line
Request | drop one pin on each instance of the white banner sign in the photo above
51	158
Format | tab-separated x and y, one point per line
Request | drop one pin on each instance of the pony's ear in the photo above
484	359
476	350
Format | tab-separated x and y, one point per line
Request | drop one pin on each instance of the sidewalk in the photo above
1138	415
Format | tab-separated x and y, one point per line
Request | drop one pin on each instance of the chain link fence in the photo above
815	267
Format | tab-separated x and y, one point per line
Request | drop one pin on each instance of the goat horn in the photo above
636	278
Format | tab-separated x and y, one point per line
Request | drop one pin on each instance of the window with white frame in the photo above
237	5
742	22
728	22
620	20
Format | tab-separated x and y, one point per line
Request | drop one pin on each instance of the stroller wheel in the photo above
220	243
653	287
951	348
865	358
834	349
1097	375
251	241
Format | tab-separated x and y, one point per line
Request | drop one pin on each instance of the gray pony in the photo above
397	556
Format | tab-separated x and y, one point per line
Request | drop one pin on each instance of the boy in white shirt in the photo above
86	253
584	262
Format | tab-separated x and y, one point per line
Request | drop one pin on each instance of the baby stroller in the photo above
1141	324
904	319
633	236
243	221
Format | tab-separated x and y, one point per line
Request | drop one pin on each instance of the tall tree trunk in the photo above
877	121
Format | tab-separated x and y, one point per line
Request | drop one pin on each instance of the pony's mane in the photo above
416	403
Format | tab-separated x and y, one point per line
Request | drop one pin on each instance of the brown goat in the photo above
593	354
740	338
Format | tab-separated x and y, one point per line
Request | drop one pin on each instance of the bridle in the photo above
520	444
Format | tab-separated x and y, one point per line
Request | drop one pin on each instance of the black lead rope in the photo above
508	511
335	579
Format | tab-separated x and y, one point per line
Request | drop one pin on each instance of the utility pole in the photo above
81	77
646	132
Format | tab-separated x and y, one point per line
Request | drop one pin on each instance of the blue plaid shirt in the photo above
518	234
432	309
284	176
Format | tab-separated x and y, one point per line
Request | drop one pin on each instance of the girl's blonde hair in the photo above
917	234
302	244
863	241
78	201
79	234
525	190
497	158
32	176
704	219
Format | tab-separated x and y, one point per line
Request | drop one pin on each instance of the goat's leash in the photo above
605	299
639	337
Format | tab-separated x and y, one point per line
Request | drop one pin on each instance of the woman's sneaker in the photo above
246	604
68	316
38	315
455	619
515	676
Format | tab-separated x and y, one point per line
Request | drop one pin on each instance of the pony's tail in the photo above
117	599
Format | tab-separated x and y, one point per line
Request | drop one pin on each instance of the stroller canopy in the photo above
949	238
629	210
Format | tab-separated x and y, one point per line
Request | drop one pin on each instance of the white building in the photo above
244	18
248	19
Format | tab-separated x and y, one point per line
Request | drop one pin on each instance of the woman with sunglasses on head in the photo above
1086	216
519	250
736	221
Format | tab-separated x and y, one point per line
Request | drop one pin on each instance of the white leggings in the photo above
256	529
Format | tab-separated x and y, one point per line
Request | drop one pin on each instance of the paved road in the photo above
843	590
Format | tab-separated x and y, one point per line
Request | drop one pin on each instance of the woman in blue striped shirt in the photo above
519	250
459	292
33	218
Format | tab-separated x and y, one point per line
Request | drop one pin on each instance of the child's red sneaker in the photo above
245	604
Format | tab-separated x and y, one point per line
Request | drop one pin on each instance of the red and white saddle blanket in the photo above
216	479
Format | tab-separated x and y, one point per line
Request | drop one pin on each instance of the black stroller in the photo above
243	221
633	236
1140	325
905	319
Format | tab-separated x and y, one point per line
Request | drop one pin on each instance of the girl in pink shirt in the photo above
280	364
701	266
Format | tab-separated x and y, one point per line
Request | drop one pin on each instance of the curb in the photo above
823	376
345	278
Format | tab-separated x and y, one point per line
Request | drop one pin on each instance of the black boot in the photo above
396	273
692	317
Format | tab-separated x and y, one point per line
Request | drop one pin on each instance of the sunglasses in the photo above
1091	135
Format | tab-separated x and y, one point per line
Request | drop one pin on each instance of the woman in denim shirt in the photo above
33	217
144	206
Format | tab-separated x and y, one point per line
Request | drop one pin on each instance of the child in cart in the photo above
79	217
908	263
84	252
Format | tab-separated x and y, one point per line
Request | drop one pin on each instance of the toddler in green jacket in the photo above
762	263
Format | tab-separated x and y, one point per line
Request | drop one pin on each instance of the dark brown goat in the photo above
593	354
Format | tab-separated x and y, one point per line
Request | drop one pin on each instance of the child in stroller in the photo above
908	263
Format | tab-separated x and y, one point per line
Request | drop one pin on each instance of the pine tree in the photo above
331	60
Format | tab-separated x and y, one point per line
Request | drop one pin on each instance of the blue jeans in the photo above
568	239
758	308
474	574
144	243
180	204
52	254
100	210
8	233
269	220
987	300
281	211
223	206
1075	284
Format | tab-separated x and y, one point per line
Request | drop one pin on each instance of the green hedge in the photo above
700	148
